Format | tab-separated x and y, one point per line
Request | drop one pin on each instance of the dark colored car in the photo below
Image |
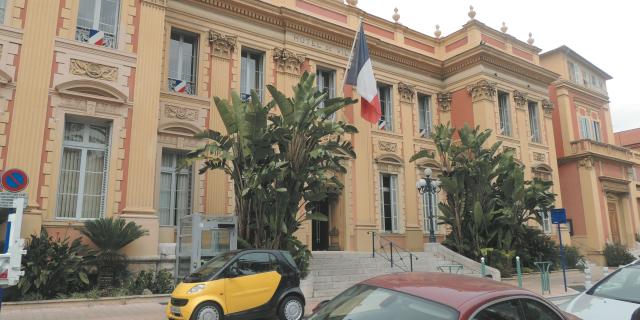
436	296
245	284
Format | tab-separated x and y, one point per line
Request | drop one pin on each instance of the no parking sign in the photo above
14	180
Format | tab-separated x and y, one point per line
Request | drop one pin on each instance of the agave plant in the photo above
110	235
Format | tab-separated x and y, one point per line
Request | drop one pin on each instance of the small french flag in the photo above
96	37
181	86
382	124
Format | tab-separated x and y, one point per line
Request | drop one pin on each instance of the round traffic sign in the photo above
14	180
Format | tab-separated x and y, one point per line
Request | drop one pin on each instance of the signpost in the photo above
559	216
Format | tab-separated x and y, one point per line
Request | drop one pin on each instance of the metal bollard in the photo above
587	277
519	271
605	272
483	271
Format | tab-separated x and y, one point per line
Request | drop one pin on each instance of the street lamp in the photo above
430	187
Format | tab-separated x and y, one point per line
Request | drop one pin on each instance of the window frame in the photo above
386	106
597	131
192	84
584	124
547	226
393	205
97	13
504	112
261	72
520	299
272	260
3	11
174	172
84	147
425	116
321	74
534	121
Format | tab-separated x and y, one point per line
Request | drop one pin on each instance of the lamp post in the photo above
430	187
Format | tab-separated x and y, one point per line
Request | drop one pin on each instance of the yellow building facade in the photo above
100	100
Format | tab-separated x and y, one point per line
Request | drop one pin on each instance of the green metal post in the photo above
519	271
483	270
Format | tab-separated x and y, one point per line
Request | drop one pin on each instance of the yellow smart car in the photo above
245	284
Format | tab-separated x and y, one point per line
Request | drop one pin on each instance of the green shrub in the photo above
51	267
574	259
536	246
160	282
617	255
503	261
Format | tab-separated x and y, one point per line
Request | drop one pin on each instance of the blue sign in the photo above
558	215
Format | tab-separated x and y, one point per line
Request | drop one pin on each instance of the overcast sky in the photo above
604	32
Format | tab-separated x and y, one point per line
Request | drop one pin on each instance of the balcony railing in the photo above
84	34
604	149
186	87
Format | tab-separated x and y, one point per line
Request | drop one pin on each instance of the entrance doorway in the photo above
320	229
613	221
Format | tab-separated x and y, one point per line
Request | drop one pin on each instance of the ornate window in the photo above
534	124
251	73
326	83
83	170
585	130
176	185
425	116
183	58
505	113
389	202
386	105
597	136
98	22
542	172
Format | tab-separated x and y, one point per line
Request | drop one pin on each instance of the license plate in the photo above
175	310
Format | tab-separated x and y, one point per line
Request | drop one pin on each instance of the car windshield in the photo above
362	302
210	268
623	285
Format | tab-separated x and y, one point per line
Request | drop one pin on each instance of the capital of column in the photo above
406	92
288	61
482	90
444	100
223	45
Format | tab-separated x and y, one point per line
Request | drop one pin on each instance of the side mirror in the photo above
320	305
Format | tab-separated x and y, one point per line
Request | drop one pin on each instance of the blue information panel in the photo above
558	216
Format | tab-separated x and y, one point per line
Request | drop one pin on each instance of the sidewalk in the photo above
575	278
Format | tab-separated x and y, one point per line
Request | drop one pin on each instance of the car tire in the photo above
291	308
207	311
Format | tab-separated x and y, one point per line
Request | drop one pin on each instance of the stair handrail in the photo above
387	249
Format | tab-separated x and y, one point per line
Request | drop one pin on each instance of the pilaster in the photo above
483	95
591	203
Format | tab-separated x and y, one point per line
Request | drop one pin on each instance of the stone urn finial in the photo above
352	3
472	13
438	32
396	15
504	27
530	40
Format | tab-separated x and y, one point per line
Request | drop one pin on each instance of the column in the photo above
219	191
139	205
25	143
483	100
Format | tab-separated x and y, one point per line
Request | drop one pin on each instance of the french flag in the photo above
360	74
181	86
96	37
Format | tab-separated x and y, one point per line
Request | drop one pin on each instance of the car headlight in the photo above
196	289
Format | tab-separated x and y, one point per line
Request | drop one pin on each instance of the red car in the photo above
436	296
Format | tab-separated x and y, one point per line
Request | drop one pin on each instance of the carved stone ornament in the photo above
483	89
161	3
287	61
586	162
520	98
540	157
181	113
547	106
387	146
406	92
223	45
93	70
444	100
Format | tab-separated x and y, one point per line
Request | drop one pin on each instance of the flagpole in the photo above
353	45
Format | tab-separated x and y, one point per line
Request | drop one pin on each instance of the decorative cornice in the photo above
547	106
520	98
444	100
159	3
93	70
288	61
181	113
222	45
482	90
406	92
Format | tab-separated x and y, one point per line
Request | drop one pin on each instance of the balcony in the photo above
585	146
84	34
181	86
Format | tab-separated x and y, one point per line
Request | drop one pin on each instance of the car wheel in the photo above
291	308
207	311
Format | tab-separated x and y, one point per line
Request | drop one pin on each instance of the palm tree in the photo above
110	235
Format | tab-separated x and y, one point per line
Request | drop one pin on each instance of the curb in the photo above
64	303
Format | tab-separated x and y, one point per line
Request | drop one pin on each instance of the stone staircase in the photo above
331	272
